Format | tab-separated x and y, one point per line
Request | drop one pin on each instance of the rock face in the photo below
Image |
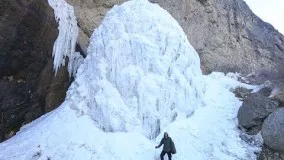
226	34
273	130
28	86
255	108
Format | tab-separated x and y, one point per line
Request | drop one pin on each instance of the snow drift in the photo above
140	78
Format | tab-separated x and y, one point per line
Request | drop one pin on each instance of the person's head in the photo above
166	135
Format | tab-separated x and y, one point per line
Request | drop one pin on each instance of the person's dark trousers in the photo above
163	154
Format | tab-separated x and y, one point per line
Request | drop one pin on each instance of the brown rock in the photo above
52	88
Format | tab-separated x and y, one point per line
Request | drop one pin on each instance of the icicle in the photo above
65	43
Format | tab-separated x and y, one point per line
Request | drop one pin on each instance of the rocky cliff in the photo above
28	87
228	36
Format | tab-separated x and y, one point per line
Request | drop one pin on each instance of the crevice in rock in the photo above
203	2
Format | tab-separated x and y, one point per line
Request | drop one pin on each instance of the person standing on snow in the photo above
168	148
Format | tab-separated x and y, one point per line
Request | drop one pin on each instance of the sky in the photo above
271	11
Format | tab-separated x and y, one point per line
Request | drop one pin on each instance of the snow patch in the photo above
210	133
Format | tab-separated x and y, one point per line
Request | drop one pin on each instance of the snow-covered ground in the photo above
141	77
210	133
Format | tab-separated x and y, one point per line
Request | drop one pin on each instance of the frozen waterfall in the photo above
140	73
64	46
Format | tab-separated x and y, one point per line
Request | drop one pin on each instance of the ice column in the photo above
65	43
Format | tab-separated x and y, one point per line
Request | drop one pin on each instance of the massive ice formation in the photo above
140	73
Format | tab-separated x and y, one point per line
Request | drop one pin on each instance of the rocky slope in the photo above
28	85
263	111
226	34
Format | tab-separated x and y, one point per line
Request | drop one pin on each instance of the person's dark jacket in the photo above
167	144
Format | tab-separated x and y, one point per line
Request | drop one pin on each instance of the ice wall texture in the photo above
64	46
141	73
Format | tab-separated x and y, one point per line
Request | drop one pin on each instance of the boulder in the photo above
273	130
270	154
265	91
255	108
278	93
241	92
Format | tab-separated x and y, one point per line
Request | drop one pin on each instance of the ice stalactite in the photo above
64	46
